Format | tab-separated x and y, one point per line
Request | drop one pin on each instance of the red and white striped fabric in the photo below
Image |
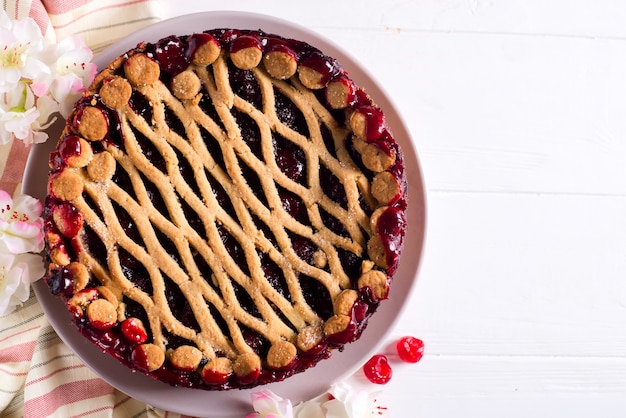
39	375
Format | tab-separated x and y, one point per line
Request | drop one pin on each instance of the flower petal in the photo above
270	405
309	409
17	272
28	207
6	201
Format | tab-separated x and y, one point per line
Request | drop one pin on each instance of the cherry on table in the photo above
410	349
377	369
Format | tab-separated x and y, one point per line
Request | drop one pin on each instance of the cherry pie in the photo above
224	209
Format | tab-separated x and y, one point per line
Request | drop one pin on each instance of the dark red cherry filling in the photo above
213	377
279	45
374	122
244	42
245	86
69	147
68	219
60	282
195	41
322	64
171	53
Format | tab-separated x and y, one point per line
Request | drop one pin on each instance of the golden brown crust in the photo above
376	251
336	324
80	275
358	124
338	94
310	78
153	356
83	299
280	65
377	281
385	188
281	354
66	185
101	313
83	157
246	58
185	357
115	92
345	301
141	70
101	167
107	294
373	157
375	217
310	337
93	125
206	53
219	365
186	85
246	364
59	256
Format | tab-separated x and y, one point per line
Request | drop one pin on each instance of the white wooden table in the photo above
518	112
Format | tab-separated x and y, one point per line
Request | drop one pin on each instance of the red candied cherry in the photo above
214	377
377	369
410	349
69	146
391	222
134	331
67	219
56	161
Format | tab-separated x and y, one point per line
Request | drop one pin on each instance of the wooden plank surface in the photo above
517	110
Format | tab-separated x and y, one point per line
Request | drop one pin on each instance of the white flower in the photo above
19	118
342	401
21	226
350	403
268	405
310	409
21	232
21	42
17	271
47	108
38	79
71	71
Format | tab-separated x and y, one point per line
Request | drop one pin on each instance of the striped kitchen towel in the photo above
39	375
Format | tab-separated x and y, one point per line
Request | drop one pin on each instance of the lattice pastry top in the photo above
224	209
